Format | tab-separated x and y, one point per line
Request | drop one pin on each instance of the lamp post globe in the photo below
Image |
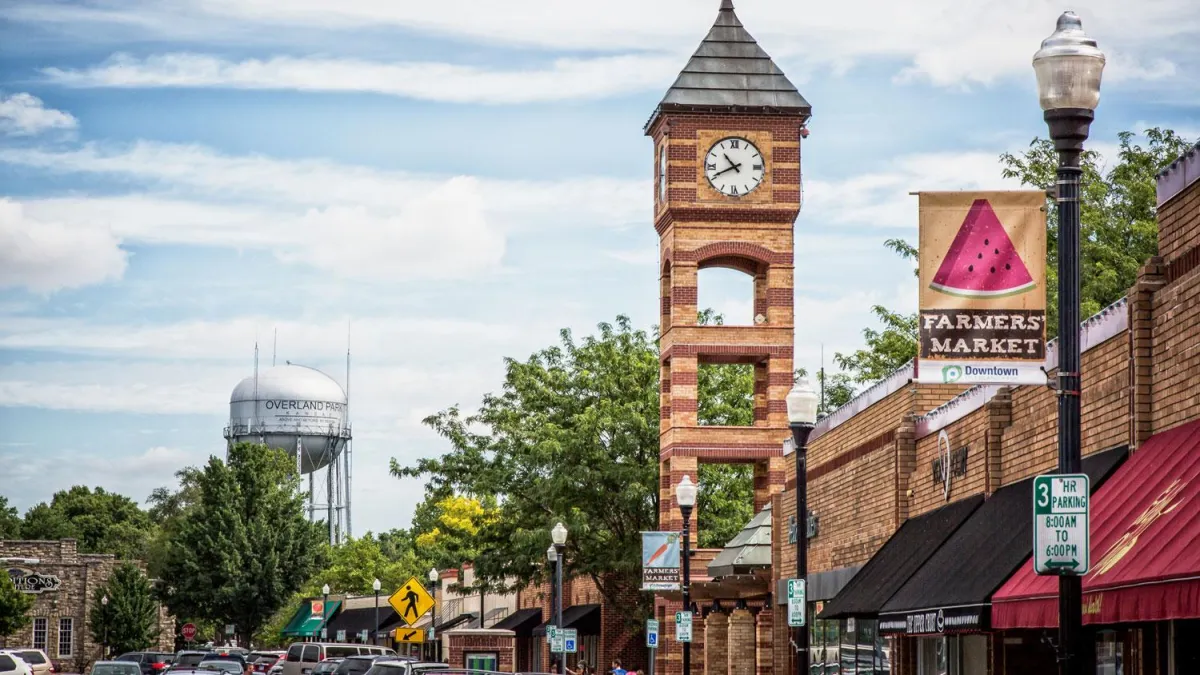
1068	68
552	554
325	589
558	534
802	403
433	575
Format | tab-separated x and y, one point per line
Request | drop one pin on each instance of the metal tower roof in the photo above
731	71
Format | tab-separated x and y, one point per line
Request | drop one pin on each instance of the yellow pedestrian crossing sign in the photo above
411	601
410	635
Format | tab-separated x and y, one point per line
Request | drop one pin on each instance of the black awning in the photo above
354	621
916	540
465	616
521	622
952	591
584	618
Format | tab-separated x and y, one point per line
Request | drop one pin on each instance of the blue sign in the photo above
652	634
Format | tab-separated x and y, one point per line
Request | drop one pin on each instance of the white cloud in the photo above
563	79
25	115
46	256
946	42
355	222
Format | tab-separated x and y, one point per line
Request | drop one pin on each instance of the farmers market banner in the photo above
983	288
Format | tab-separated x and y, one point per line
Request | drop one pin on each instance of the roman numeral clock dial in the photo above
734	167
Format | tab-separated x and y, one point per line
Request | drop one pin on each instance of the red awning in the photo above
1145	563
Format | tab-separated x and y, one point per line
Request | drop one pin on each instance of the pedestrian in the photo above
617	669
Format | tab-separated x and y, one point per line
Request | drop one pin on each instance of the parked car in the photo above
263	663
37	660
12	664
151	663
405	667
228	666
187	660
302	657
115	668
359	665
327	667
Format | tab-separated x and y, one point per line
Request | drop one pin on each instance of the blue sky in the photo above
456	180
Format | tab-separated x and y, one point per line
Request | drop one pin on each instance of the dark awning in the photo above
900	557
952	590
584	618
465	616
354	621
521	622
1144	558
822	586
310	625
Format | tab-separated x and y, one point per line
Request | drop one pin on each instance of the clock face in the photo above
662	173
734	166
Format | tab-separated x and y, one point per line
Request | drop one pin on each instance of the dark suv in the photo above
151	663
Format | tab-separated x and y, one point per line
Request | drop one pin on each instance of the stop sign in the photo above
189	631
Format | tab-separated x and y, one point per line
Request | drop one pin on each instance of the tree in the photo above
357	563
10	523
14	607
1118	214
886	349
246	546
129	620
103	522
448	528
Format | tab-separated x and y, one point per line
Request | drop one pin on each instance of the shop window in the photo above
952	655
66	637
40	628
1110	653
481	661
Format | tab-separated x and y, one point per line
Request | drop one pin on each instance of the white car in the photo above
12	664
37	660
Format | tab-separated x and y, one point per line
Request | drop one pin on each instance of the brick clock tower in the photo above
726	194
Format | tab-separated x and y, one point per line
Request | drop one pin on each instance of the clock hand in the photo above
735	167
732	168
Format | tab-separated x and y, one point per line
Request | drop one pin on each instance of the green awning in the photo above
305	624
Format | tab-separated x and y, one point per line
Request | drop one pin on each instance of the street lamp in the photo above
434	577
104	612
1068	69
376	586
685	495
324	609
558	535
802	416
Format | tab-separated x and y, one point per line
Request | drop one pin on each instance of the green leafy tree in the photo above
246	545
10	522
103	522
129	620
356	564
886	349
14	608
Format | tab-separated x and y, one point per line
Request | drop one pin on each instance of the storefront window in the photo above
66	637
40	628
952	655
1110	653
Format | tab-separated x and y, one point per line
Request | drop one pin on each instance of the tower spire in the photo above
726	5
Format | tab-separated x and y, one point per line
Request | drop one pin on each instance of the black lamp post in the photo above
324	610
685	494
552	558
559	536
802	417
434	577
104	612
376	586
1068	69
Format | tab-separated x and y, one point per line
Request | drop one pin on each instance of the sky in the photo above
441	185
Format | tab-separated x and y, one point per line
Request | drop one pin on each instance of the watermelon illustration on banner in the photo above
983	288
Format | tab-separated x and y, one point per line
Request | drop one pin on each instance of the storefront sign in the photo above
660	561
982	288
1061	505
936	621
28	581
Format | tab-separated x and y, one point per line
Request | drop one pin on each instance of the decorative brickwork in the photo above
743	643
716	643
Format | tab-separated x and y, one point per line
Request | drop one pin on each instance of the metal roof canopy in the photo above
749	551
731	72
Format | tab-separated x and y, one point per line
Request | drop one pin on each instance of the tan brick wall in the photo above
743	643
1176	363
716	643
1179	223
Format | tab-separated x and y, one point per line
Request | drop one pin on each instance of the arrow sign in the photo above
410	635
1063	564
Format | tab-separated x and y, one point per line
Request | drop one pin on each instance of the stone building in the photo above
63	582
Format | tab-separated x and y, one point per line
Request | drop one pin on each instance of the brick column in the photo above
768	480
743	643
716	643
999	413
766	639
1151	277
906	464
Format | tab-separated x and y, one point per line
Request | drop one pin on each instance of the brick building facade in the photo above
874	463
60	613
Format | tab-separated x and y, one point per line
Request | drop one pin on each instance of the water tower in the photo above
305	412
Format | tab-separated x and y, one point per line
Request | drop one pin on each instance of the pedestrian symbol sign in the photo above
683	626
411	601
652	634
1061	531
570	638
410	635
796	602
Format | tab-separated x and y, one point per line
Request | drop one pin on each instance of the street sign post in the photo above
570	638
364	634
796	602
188	631
324	634
341	636
556	645
551	633
1061	530
652	634
229	629
683	626
411	601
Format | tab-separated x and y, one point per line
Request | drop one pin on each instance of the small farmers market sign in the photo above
28	581
983	288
